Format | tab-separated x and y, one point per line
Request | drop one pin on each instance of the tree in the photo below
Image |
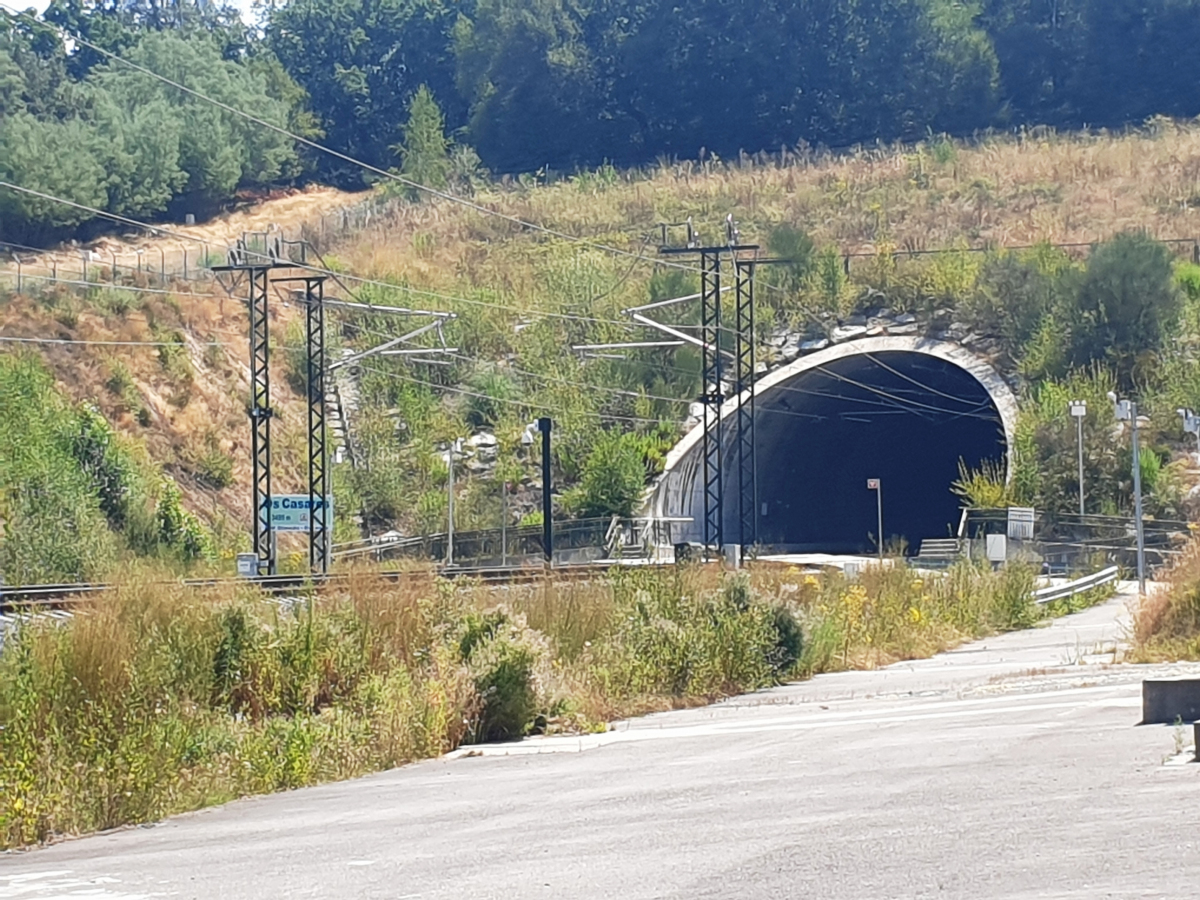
218	151
560	83
1127	303
425	152
537	75
360	61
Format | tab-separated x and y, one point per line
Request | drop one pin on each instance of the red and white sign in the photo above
872	484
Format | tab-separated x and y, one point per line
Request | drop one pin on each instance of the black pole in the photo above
544	426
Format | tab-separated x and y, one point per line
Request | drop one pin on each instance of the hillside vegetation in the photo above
156	700
539	85
1065	321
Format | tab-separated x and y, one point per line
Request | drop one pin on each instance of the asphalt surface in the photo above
1012	767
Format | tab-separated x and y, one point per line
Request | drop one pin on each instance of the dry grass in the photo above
155	699
181	411
1012	191
1166	627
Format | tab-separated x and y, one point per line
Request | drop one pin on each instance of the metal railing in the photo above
1069	542
1078	586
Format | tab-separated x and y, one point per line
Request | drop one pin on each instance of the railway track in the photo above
41	596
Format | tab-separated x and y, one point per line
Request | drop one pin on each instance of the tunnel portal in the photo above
827	424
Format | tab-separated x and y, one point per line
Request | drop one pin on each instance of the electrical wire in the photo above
901	400
549	378
107	285
921	385
523	404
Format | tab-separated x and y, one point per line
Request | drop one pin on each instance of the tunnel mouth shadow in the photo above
906	418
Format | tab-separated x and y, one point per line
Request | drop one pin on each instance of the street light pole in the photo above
545	425
874	484
1127	411
504	523
1078	412
454	446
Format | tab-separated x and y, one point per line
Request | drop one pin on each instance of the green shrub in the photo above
502	655
1127	303
613	479
789	640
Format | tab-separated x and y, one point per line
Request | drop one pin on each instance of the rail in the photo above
1078	586
39	596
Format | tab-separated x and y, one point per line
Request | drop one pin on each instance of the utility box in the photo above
247	565
733	555
1166	701
997	548
1020	523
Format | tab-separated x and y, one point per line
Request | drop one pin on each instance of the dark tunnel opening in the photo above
903	417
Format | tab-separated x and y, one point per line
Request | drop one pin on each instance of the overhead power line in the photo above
88	343
523	404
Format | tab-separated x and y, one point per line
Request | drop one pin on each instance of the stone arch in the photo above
678	492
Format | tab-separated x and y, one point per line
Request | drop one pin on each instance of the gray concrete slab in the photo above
1011	768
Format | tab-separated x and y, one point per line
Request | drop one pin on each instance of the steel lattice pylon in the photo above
260	418
712	397
745	360
318	454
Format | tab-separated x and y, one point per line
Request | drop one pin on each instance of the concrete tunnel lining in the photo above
678	492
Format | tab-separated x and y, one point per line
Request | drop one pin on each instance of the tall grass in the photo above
1166	626
156	699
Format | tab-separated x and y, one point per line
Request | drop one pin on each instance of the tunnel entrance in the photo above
905	418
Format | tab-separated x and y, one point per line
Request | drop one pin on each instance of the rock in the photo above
847	332
483	439
910	328
856	320
905	319
789	353
819	344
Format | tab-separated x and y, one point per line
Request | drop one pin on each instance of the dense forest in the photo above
527	85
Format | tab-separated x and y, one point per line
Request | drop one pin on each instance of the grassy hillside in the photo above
522	296
872	211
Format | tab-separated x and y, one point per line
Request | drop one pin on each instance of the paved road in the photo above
1009	768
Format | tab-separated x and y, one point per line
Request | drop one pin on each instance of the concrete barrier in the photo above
1170	700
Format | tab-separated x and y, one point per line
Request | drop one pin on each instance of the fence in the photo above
1069	542
176	261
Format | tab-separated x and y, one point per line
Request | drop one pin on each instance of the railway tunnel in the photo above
904	410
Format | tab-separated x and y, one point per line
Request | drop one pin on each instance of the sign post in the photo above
874	484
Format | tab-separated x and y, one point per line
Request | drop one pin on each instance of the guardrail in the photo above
1078	586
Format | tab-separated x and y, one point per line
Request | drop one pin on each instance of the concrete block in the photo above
1169	700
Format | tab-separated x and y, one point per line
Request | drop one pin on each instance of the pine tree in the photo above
425	151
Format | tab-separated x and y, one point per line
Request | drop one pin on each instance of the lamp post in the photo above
1191	425
1079	412
874	484
1127	411
455	448
504	523
545	426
